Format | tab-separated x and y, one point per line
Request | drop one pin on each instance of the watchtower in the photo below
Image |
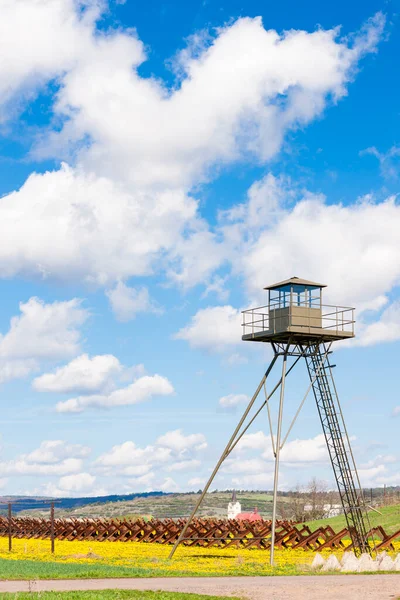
295	312
297	325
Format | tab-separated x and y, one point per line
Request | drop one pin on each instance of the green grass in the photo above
389	520
108	595
33	570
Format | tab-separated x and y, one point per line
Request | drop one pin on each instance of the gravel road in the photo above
327	587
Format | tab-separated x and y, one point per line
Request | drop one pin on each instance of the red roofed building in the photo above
249	516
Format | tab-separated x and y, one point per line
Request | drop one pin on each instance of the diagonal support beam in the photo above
229	447
265	403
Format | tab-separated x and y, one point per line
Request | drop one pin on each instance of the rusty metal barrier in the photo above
207	533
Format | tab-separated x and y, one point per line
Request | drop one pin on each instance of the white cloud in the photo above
250	465
71	486
196	481
142	132
44	330
254	441
53	457
179	442
256	481
275	233
173	452
366	231
213	328
129	459
23	467
144	483
311	450
396	411
386	329
38	40
80	482
137	148
81	227
381	459
41	332
16	369
389	161
126	301
141	390
232	400
184	465
169	485
54	451
83	375
373	475
295	451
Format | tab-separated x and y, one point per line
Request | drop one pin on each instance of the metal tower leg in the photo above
277	452
339	448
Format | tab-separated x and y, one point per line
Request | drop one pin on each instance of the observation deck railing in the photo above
327	318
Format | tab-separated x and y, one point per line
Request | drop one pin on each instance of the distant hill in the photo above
38	503
157	505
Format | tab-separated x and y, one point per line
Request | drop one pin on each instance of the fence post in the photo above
52	526
9	527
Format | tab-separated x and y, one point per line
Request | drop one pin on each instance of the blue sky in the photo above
159	165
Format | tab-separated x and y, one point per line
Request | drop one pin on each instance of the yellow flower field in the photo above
154	557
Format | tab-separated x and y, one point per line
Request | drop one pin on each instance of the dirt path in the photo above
351	587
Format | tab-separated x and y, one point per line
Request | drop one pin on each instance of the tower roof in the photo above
295	281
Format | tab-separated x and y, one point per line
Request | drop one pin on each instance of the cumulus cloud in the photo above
173	452
42	332
386	329
141	390
130	459
152	135
196	481
232	401
184	465
72	485
256	481
177	441
142	483
311	450
38	40
214	328
366	231
276	231
123	205
53	457
77	483
169	485
251	466
126	301
83	227
83	374
54	451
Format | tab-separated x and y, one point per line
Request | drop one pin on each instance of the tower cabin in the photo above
295	313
